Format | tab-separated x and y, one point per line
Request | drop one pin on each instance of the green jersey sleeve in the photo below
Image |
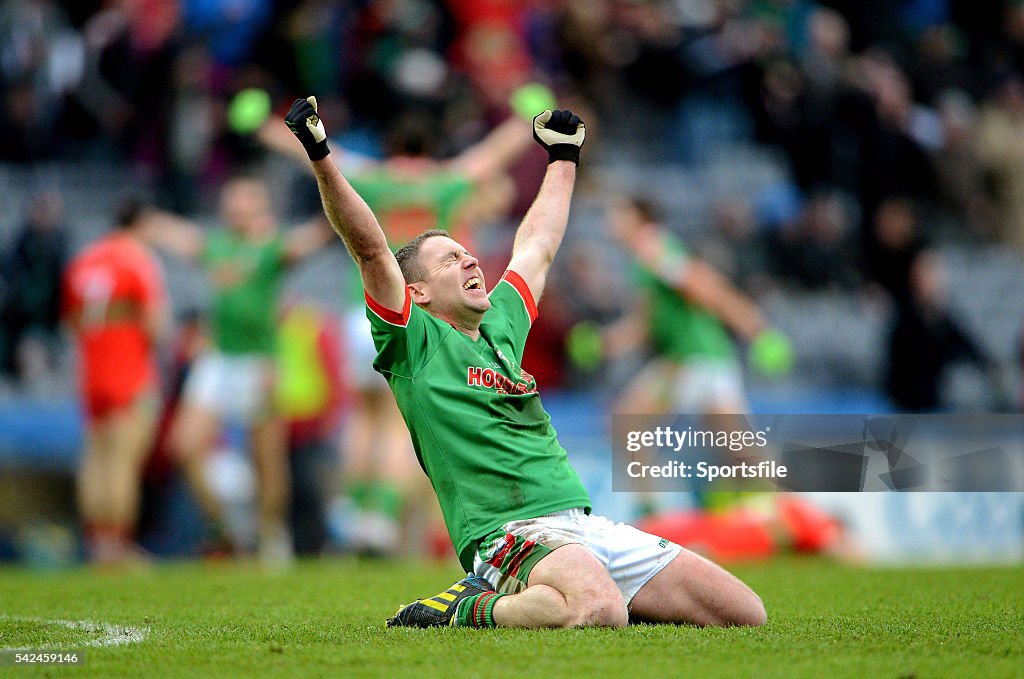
403	339
513	311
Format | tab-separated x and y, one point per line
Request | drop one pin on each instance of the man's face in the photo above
245	206
623	220
453	287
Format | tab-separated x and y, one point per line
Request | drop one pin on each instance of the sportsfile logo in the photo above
489	378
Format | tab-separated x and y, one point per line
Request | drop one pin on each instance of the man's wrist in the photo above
563	165
567	152
318	151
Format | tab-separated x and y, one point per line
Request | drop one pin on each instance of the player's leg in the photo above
193	434
691	589
132	430
544	576
196	426
90	489
380	468
649	392
269	451
118	442
569	587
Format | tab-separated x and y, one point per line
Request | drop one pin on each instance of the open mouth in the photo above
472	284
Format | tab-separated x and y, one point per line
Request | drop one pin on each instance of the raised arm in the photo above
561	133
172	233
348	214
303	240
506	142
495	152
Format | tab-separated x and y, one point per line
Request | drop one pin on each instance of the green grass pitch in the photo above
325	618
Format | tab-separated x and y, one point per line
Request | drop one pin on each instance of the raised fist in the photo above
561	133
305	123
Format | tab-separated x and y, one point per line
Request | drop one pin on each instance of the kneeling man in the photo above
515	509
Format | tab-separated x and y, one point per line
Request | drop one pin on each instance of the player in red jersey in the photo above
115	303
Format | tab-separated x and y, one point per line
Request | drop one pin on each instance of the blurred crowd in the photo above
898	121
897	126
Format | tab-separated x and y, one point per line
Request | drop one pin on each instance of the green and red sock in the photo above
477	610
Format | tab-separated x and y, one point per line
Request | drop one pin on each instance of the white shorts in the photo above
239	388
631	556
361	352
699	385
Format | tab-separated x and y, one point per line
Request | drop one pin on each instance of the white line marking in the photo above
112	635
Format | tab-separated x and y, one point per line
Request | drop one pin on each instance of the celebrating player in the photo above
409	192
515	509
235	378
687	313
115	303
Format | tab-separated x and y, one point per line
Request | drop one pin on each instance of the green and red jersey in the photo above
476	420
246	278
410	196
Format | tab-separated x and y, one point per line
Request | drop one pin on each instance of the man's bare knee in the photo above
749	612
753	613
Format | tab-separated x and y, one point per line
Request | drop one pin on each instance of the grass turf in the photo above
325	618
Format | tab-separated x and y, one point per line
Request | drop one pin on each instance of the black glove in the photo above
303	121
561	133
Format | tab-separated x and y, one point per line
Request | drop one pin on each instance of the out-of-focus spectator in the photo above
397	57
490	47
193	166
229	27
962	184
894	244
1001	151
893	156
40	60
818	254
788	117
127	85
940	63
736	247
824	60
30	311
925	340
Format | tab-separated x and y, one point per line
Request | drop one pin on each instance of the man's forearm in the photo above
544	224
496	151
349	215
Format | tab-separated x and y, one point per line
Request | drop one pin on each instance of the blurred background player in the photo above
115	304
410	191
687	315
234	380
